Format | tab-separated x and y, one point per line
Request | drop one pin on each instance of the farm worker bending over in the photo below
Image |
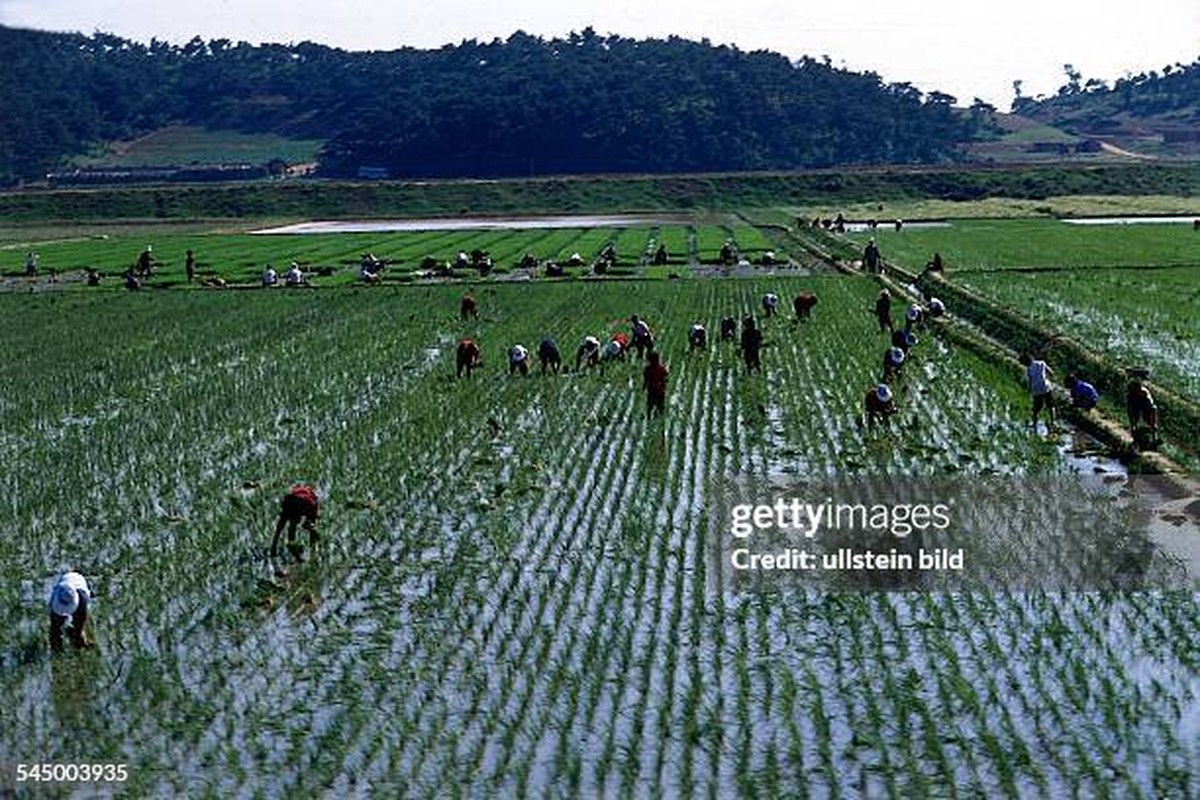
615	350
878	405
893	360
905	340
1083	395
1038	376
69	606
770	302
295	277
883	310
643	339
752	342
270	277
697	337
1140	406
588	352
728	329
912	317
936	308
803	305
466	358
518	359
549	356
654	379
299	503
467	309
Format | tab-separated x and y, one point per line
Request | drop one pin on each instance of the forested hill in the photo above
586	103
1165	103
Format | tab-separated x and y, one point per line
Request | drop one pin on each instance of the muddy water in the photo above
1187	218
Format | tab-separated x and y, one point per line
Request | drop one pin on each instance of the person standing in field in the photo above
69	599
643	339
189	265
300	503
466	357
871	256
883	310
654	380
31	264
1038	373
145	262
751	345
1141	408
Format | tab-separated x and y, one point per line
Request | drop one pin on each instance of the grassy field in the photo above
179	145
1006	207
720	192
989	244
515	591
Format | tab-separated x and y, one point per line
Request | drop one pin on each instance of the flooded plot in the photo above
476	223
514	590
1148	220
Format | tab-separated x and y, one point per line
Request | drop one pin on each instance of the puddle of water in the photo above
889	226
1189	218
475	223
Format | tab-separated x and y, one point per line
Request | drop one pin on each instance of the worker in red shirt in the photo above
300	503
467	309
467	357
654	378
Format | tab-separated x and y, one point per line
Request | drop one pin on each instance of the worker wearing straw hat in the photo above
69	599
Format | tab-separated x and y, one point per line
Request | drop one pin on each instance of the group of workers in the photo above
1140	407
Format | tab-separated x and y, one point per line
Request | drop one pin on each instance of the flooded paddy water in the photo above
514	591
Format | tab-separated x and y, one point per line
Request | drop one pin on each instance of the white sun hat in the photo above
64	600
883	393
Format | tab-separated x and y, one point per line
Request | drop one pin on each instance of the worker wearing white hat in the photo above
69	599
879	404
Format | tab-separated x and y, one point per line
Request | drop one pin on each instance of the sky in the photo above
965	48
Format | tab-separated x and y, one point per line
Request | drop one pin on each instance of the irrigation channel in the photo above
520	585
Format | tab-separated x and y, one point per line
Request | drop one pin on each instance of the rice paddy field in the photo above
515	592
239	256
1125	290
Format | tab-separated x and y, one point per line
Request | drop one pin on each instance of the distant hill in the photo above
525	105
1151	114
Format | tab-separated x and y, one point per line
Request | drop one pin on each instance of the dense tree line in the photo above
585	103
1095	103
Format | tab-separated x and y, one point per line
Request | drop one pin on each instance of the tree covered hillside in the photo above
1167	102
585	103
